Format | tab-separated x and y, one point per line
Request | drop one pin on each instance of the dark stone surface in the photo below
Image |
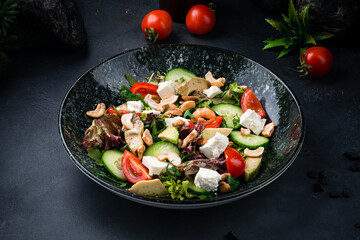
51	23
335	16
44	196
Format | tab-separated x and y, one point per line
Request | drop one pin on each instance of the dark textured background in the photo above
44	196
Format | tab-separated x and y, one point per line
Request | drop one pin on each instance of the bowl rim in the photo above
184	204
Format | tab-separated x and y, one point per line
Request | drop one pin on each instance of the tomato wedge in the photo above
190	124
250	101
133	169
235	162
144	88
111	110
214	122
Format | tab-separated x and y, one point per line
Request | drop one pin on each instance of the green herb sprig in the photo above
8	11
295	32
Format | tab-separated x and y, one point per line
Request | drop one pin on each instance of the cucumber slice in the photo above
160	147
252	167
197	191
179	75
229	112
252	141
112	162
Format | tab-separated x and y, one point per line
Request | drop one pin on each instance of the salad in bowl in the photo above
180	136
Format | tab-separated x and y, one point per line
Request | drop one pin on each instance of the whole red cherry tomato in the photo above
200	19
318	61
250	101
235	162
157	25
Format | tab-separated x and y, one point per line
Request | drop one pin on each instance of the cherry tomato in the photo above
235	162
250	101
144	88
122	112
133	169
320	59
157	25
200	19
214	122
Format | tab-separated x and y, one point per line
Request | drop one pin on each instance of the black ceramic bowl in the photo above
102	84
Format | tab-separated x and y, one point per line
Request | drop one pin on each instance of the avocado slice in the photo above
251	167
210	132
170	134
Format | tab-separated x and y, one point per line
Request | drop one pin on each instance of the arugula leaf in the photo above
155	125
205	104
132	81
95	154
188	114
127	95
236	92
233	182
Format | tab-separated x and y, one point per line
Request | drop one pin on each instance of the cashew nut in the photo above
268	129
243	87
126	120
173	107
224	187
204	113
201	142
98	112
147	138
190	98
254	153
178	122
189	137
187	105
166	102
175	112
152	100
140	151
217	83
225	176
171	156
245	131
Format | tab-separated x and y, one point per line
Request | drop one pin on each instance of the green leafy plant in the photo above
8	10
295	32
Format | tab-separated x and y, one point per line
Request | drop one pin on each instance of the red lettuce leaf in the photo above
104	133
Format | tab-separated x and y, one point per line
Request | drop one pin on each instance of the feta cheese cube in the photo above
155	166
250	119
135	106
166	89
151	111
215	146
207	179
212	91
169	121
